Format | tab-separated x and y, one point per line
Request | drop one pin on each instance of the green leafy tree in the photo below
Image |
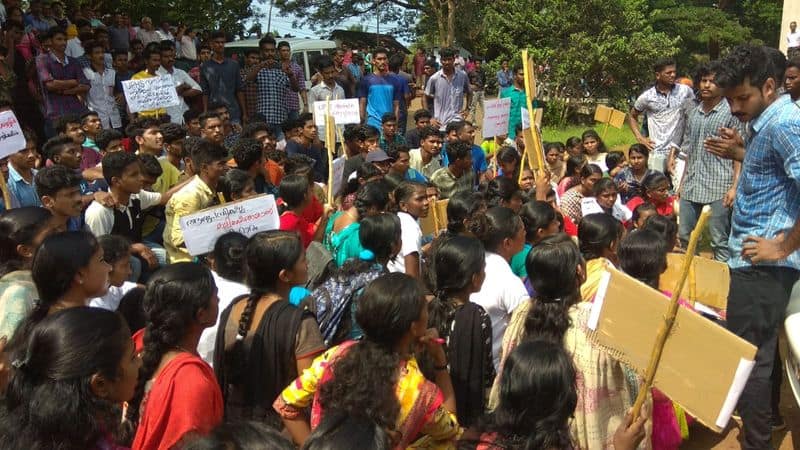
601	47
227	15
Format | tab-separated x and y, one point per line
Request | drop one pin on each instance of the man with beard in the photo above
765	230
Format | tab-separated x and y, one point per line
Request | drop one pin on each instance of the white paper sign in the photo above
344	111
495	120
338	174
620	212
526	119
201	229
148	94
11	138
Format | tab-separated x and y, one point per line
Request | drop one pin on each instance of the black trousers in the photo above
756	308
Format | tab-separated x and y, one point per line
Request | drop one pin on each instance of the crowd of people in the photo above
350	326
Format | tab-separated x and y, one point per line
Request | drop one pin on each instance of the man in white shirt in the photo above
792	41
147	33
328	89
184	84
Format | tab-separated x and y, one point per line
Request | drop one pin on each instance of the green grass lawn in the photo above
615	139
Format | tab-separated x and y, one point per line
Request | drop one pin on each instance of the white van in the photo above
304	51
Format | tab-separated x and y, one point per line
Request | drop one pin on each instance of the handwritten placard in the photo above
201	229
495	121
526	118
343	111
150	93
11	138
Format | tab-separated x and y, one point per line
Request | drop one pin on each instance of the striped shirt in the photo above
708	177
768	194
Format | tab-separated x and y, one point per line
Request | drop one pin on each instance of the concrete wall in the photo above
791	12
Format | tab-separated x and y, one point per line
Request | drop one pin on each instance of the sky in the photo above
283	24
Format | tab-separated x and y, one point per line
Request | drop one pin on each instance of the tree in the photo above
605	46
227	15
329	13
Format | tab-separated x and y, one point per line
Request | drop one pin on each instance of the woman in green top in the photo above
341	233
540	220
22	230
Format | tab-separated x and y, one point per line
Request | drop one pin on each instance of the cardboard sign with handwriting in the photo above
147	94
343	111
495	120
249	216
703	367
11	138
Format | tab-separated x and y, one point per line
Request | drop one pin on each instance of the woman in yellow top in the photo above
378	377
599	236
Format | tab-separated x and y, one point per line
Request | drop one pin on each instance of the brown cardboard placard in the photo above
617	118
602	114
427	223
708	281
703	366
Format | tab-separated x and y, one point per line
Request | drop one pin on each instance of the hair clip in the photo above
366	255
18	364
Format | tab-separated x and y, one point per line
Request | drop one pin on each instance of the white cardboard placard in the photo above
344	111
147	94
495	120
11	138
250	216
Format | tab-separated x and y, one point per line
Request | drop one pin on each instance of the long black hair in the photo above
56	263
460	208
456	259
535	216
537	398
500	191
552	267
49	402
338	431
643	255
372	195
19	226
238	435
495	226
596	233
229	256
386	311
266	255
172	299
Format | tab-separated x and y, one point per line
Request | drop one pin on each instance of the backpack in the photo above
334	304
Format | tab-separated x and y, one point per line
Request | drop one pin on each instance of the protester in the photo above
412	204
655	190
72	372
556	315
515	90
393	314
571	200
599	236
377	94
220	80
22	231
540	221
342	231
180	301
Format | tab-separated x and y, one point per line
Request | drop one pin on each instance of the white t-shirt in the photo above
226	291
500	294
179	77
111	300
100	219
411	235
793	39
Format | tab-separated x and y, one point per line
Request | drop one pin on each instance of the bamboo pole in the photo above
530	93
330	144
669	319
6	193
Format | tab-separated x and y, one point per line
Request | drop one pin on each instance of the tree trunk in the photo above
441	24
451	22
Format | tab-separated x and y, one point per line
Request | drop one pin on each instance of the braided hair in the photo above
266	255
552	265
456	260
172	300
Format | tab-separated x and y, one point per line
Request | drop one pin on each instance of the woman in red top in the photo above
655	190
296	193
177	392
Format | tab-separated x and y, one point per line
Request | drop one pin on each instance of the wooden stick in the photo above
6	193
605	130
435	220
530	92
330	138
669	319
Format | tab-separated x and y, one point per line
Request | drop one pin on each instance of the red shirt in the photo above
569	226
664	209
292	222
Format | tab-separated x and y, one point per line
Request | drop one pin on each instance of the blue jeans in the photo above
719	225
